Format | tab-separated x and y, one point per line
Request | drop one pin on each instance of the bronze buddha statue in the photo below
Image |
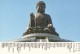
40	22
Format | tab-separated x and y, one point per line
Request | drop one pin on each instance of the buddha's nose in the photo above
40	7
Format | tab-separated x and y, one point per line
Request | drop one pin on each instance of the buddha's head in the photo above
41	7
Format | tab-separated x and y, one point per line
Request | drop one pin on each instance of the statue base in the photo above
42	37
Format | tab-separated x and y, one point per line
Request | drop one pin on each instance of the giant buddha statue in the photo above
40	22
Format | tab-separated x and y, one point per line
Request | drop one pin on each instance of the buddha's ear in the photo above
36	7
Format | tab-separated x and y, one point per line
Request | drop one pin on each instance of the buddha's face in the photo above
40	8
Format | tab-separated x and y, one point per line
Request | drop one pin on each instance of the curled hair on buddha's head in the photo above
40	3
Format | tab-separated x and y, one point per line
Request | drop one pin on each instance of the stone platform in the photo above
41	37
